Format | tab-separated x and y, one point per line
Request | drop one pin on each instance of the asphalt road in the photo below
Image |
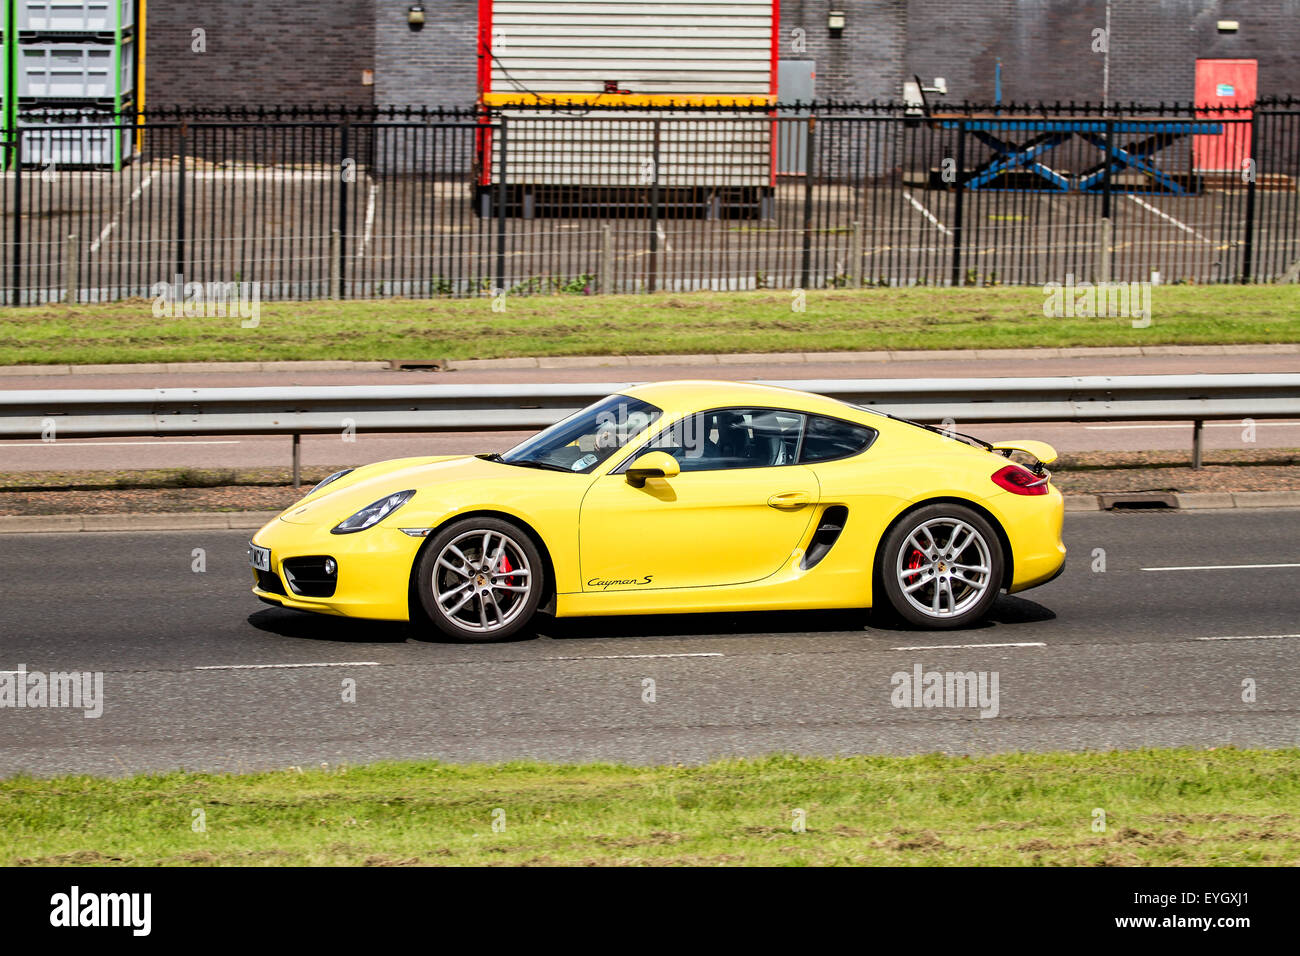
1124	657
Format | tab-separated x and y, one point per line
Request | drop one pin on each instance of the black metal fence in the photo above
314	203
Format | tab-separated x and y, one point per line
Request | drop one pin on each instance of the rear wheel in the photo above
941	566
480	579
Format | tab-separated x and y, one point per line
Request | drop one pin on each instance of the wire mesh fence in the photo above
558	200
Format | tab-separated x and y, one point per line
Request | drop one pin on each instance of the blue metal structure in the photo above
1143	139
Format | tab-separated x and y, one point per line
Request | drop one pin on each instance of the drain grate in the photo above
417	365
1139	501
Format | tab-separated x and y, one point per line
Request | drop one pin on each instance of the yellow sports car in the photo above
676	497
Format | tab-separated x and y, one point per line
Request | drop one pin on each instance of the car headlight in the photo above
334	477
374	513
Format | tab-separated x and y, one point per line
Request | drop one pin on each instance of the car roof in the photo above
700	394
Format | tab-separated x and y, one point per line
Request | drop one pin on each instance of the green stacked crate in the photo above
6	79
72	78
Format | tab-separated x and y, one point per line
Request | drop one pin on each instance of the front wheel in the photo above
941	566
480	579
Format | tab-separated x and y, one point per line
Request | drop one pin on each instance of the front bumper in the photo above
373	577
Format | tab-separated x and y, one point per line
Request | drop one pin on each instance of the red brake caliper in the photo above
914	561
507	566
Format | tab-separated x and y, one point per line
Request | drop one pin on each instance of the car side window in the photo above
826	439
732	438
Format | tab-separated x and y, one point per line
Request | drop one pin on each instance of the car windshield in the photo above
585	439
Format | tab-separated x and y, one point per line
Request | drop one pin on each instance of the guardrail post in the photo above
70	276
1197	443
297	460
606	265
855	256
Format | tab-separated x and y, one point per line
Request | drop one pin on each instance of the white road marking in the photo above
1221	567
944	230
135	194
370	221
259	667
628	657
73	443
956	647
1164	215
1115	428
1250	637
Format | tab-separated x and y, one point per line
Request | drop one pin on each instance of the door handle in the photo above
790	500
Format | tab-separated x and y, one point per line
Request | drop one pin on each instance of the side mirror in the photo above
653	464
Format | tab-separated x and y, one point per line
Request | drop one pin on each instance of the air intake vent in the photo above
827	533
269	581
312	577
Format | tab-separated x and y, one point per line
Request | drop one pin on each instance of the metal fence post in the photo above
297	460
1197	444
16	295
855	256
341	261
605	267
805	262
336	279
180	207
1248	250
502	168
70	276
1103	252
1103	274
958	202
654	208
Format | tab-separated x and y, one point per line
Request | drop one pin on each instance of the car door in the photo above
735	513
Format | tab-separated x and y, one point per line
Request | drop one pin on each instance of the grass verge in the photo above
843	320
1161	807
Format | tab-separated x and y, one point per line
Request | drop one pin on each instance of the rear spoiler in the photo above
1042	453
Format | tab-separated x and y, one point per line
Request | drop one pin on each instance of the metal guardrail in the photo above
98	413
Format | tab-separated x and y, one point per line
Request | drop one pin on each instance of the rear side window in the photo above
825	439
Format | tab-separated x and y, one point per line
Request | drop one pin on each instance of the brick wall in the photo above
268	52
260	52
436	66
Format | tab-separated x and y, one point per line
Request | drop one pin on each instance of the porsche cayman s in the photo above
676	497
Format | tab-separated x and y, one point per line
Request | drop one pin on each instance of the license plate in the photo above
259	558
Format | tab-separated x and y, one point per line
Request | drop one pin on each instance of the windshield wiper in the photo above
491	456
533	463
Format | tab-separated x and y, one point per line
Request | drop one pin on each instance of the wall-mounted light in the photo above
835	22
415	16
1228	26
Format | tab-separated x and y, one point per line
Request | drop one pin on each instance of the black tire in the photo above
496	609
934	576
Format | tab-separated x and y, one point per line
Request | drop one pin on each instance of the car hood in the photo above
368	484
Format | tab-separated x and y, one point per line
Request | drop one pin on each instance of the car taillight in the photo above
1020	481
